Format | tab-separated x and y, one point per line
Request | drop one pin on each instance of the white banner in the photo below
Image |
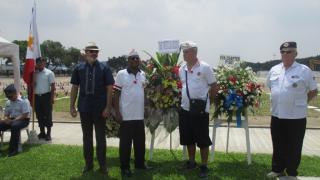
169	46
229	60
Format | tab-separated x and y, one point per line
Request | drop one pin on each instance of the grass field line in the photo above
65	97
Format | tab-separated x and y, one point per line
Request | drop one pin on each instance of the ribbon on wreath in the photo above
237	100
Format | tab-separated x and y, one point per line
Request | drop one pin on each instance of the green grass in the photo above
65	162
62	105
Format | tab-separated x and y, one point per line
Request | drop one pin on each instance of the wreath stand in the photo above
152	144
244	124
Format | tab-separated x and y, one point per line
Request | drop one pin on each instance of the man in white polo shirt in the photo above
199	87
292	85
129	108
44	97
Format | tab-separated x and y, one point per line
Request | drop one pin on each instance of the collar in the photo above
94	63
18	99
131	72
294	64
197	64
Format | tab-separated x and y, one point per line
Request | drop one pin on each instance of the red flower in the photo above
179	84
233	79
150	66
175	70
239	93
250	86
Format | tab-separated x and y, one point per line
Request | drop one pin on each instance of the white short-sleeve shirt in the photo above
199	80
44	79
132	94
289	90
18	107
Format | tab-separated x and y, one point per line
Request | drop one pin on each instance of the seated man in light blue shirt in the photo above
16	117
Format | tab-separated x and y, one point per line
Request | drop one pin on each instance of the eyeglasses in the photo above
93	51
286	52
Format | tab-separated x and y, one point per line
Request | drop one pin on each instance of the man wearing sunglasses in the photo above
292	86
129	108
95	80
16	117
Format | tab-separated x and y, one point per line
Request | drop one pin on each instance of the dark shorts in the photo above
194	129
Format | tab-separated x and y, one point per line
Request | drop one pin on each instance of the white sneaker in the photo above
272	175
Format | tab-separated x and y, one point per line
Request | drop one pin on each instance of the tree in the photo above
23	44
72	56
117	63
53	51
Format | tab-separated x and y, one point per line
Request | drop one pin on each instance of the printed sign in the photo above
229	60
169	46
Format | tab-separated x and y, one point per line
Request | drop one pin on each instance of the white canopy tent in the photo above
11	50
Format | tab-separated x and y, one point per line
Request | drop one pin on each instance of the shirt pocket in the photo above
274	81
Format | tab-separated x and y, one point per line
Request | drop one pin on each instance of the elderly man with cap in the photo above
16	117
129	108
199	87
292	86
95	81
44	97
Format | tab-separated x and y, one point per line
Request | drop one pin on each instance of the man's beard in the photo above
91	60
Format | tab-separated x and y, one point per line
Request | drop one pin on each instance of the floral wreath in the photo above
163	91
238	91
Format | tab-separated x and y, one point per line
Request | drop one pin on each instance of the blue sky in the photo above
250	29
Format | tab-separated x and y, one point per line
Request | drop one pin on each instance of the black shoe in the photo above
203	171
126	172
145	167
86	169
41	136
189	165
13	153
48	137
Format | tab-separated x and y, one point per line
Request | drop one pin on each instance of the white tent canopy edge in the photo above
11	50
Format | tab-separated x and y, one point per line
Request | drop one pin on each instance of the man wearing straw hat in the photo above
95	80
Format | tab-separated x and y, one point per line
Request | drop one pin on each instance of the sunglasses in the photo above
135	58
286	52
93	51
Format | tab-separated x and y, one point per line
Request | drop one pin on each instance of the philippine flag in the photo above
33	52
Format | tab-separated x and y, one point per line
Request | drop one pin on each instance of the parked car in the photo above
59	69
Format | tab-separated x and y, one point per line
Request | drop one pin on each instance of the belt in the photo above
43	94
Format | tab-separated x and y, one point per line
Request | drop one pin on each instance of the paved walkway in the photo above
260	138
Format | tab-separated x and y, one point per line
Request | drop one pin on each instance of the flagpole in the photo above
33	84
33	99
34	54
